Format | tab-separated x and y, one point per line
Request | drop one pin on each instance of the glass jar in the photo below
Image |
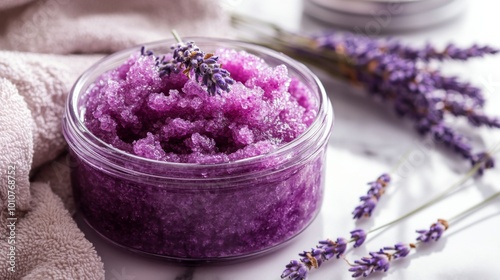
373	17
198	212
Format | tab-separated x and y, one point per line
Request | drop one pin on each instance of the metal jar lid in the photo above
375	16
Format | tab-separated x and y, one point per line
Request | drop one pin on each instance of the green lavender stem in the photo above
439	197
456	217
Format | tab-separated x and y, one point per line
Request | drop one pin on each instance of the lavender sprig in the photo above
473	115
326	250
369	201
192	60
429	52
455	85
380	260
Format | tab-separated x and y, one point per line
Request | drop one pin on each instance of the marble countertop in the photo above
367	140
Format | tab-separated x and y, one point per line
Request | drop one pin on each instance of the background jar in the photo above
198	212
374	17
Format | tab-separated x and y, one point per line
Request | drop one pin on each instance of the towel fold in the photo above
44	46
16	137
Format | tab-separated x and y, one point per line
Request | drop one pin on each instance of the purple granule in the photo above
172	118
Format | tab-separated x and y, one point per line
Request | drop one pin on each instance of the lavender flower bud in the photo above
327	249
463	54
369	201
451	139
365	209
205	67
145	52
401	250
378	261
295	270
485	160
359	237
434	233
313	258
473	115
453	85
332	248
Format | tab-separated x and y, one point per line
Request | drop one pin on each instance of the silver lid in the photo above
376	16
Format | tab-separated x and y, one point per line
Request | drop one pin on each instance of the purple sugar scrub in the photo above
163	168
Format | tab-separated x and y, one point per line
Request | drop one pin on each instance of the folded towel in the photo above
44	46
48	244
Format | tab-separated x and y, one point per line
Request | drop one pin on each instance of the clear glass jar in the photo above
198	212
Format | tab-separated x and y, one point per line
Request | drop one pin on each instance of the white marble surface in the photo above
367	140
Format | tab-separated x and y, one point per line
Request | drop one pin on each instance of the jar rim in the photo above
77	125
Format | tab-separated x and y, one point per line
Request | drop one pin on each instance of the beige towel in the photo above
44	47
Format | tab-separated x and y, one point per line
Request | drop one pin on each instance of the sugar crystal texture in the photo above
173	119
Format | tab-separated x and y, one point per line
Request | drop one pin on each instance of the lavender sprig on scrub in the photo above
190	59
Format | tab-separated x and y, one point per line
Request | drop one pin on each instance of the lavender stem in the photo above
462	180
176	35
474	207
400	163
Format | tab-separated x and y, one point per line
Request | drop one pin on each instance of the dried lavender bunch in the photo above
191	60
399	75
295	270
396	74
369	201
